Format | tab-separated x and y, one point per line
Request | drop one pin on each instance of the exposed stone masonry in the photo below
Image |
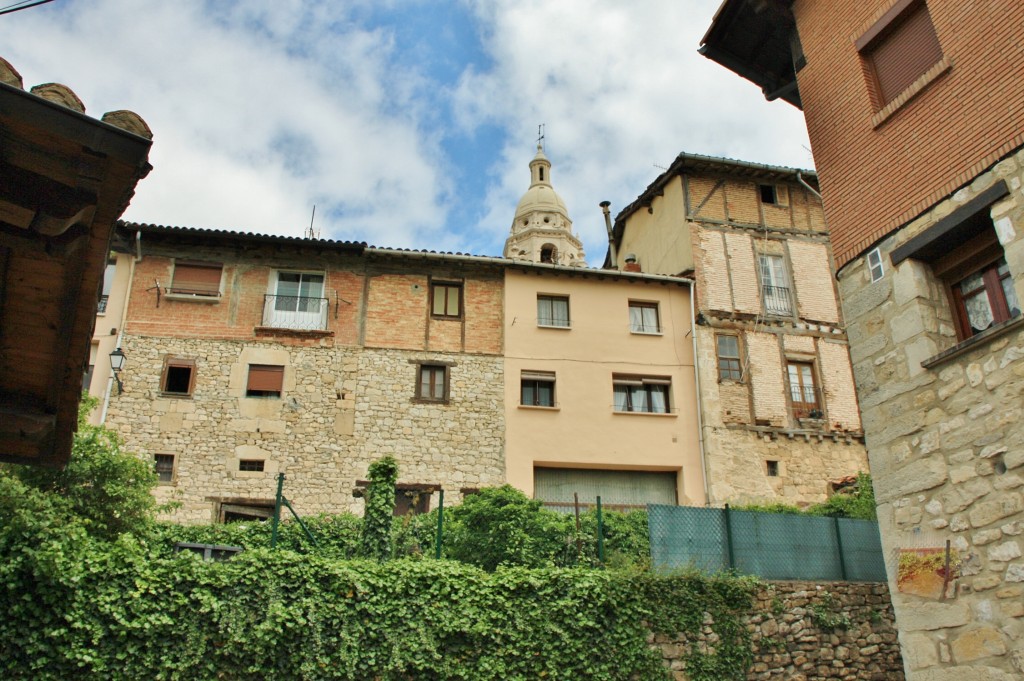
792	639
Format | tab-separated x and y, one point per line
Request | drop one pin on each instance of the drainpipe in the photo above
124	317
700	401
800	179
611	238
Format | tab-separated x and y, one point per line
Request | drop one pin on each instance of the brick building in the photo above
250	355
779	418
914	113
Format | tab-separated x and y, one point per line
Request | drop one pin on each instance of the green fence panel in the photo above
769	545
862	550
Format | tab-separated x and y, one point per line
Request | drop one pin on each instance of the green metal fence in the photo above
769	545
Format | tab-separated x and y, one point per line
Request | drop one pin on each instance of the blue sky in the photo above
407	123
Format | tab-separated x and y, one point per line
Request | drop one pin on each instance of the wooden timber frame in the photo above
65	178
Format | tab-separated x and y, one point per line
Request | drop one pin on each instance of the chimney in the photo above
631	264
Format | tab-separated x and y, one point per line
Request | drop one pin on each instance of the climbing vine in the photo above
380	508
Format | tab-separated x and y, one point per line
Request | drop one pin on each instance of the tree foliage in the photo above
110	491
857	502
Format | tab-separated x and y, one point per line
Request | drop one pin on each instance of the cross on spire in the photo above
540	136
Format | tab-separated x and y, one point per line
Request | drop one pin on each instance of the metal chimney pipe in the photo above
611	239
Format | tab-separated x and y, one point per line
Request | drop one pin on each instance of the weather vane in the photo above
540	135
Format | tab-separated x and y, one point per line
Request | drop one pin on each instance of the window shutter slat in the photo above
905	54
197	278
263	377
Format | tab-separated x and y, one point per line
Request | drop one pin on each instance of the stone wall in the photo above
803	631
944	427
341	408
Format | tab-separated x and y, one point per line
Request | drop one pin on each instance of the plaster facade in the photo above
583	428
755	241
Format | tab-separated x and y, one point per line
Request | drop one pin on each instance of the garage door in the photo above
619	490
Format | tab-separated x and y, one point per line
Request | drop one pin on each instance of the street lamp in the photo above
117	358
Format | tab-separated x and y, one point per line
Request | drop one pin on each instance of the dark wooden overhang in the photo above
757	39
64	179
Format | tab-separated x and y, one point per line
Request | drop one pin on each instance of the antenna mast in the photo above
311	233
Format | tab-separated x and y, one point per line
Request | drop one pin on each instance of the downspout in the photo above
700	401
124	318
800	179
611	237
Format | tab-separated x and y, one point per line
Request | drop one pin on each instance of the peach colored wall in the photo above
660	237
584	357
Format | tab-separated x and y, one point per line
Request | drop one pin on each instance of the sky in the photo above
406	123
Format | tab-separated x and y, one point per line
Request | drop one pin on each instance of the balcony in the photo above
807	402
101	308
776	300
298	313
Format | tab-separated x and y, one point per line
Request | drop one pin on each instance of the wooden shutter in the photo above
265	378
905	53
196	278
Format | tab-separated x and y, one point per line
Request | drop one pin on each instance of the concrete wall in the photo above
945	442
583	430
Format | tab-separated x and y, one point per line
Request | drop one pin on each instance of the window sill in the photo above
644	413
647	333
293	333
974	342
902	99
193	298
537	407
425	400
446	318
176	396
559	327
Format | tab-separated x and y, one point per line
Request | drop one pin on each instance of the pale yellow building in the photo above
600	396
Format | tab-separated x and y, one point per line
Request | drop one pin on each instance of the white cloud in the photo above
258	110
621	89
262	108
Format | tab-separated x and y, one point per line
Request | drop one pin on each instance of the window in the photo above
537	389
108	285
412	499
196	278
164	466
231	513
178	376
446	300
297	302
265	380
648	395
549	254
767	193
432	383
772	468
643	317
774	285
553	311
900	48
802	390
250	465
621	490
875	266
965	255
729	366
983	298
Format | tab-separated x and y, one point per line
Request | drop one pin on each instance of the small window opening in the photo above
768	193
875	265
179	378
541	173
251	465
773	468
164	465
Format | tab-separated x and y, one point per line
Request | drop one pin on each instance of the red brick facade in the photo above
876	175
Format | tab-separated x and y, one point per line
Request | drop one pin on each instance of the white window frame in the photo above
275	313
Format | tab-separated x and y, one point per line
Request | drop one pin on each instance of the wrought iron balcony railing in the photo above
776	300
102	306
302	313
807	402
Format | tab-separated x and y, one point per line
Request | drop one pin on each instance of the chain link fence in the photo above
769	545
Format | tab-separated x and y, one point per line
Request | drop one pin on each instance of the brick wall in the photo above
875	178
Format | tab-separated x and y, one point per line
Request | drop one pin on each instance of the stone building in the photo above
779	418
600	397
914	114
251	355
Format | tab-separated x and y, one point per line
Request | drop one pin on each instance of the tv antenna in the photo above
311	233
